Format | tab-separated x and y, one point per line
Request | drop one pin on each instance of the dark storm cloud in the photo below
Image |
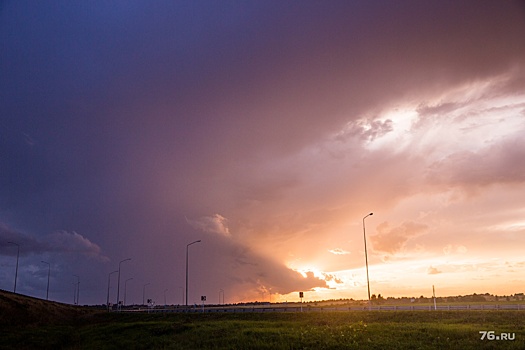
248	270
56	242
120	119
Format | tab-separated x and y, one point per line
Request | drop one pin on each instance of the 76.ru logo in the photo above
491	335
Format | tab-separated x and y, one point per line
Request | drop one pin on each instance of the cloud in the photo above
331	277
365	130
393	239
249	270
286	119
454	249
56	242
433	271
431	112
501	163
338	251
292	281
72	242
214	224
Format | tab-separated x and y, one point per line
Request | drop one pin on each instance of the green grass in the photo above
29	323
313	330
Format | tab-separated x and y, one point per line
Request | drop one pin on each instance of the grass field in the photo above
84	329
335	330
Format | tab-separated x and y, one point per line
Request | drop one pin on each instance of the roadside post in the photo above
434	295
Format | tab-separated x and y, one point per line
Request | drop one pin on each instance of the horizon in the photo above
268	131
375	300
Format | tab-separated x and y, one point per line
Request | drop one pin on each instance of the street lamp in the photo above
109	277
48	273
221	291
125	288
366	260
118	284
144	293
17	255
187	246
165	290
77	287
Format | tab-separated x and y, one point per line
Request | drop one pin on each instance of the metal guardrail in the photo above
234	309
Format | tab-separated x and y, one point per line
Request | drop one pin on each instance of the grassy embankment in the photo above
36	324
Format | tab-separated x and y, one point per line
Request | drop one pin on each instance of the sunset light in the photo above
266	131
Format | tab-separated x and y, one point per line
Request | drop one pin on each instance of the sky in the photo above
268	130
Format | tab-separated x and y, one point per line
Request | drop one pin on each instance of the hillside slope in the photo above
21	310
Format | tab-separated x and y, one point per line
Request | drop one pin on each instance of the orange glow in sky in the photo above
267	130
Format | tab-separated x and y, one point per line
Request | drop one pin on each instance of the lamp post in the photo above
118	284
221	291
125	288
144	293
17	255
187	246
77	287
109	278
366	260
48	273
165	290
